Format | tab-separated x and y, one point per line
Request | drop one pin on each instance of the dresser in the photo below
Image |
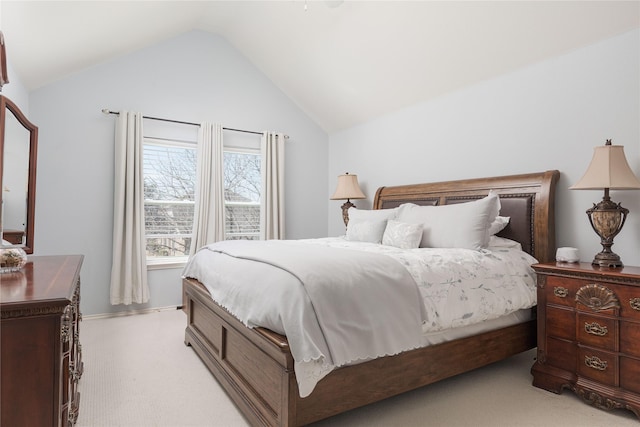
589	333
15	237
41	356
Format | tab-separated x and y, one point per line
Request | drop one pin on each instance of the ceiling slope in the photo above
343	63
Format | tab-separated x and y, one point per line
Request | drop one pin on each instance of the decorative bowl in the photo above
12	259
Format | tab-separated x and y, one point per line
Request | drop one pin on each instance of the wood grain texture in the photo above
255	366
41	357
588	333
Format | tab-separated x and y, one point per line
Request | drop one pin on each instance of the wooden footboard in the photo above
256	368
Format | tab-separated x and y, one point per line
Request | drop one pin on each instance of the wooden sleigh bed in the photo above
256	368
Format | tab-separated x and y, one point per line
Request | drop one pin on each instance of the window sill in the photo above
166	263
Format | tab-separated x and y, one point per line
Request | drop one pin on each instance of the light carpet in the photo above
138	373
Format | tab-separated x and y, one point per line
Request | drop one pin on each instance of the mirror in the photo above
18	151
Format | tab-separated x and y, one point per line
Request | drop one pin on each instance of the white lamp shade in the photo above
608	169
348	188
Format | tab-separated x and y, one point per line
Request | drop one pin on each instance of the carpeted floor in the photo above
138	372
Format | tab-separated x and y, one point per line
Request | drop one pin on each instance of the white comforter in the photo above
458	287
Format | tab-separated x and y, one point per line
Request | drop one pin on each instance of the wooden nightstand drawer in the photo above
630	339
597	331
598	365
631	378
629	302
598	297
562	291
561	323
561	354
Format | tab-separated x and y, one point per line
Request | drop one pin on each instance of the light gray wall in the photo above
546	116
194	77
15	90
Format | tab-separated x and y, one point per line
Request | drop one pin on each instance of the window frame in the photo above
157	263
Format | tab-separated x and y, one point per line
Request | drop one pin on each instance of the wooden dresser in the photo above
589	333
41	356
15	237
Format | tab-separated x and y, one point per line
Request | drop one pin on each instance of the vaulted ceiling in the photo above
342	62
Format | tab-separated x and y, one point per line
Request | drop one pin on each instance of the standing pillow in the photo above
372	215
462	225
498	223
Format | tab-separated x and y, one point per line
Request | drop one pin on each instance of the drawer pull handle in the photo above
595	329
635	303
594	362
560	292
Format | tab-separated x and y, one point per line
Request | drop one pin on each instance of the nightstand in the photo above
589	333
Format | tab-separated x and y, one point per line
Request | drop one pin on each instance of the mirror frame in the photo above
7	104
4	76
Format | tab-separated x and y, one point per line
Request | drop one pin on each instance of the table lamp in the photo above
608	170
347	188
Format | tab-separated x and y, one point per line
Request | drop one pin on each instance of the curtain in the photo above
129	267
208	222
272	197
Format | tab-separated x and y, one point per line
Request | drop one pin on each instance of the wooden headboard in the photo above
529	200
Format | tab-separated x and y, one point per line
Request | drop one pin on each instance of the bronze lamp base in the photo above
345	211
607	219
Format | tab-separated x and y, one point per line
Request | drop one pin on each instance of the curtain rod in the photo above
107	111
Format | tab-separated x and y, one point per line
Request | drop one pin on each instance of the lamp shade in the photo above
608	169
348	188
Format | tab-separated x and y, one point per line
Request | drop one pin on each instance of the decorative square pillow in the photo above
402	235
462	225
361	230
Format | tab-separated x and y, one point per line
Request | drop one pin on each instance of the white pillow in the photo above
402	235
462	225
361	230
498	224
372	215
495	208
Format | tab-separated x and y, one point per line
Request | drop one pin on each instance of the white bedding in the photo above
459	287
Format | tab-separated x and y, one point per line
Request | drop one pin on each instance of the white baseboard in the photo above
130	312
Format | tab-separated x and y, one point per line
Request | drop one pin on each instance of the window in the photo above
169	196
242	184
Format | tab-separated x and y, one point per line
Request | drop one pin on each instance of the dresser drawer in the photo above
630	338
562	291
629	301
561	354
598	297
561	323
597	331
597	365
630	374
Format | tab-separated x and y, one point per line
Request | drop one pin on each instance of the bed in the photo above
256	367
